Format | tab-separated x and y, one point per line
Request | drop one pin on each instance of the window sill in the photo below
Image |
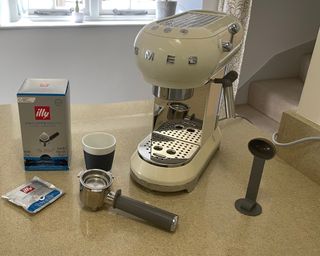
58	21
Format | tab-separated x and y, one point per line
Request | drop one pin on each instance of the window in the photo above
143	5
51	4
103	7
113	11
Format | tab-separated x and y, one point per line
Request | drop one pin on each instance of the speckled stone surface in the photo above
209	223
305	157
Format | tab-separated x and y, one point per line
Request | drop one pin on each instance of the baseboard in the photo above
304	157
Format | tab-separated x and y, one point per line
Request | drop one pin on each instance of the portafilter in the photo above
95	191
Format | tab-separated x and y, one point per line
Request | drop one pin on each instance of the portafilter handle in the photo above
155	216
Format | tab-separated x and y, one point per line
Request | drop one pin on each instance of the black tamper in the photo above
262	149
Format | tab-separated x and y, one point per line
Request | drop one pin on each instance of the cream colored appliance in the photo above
181	57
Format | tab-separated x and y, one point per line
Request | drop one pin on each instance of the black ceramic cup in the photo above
98	149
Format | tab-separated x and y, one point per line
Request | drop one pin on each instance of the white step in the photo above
273	97
258	119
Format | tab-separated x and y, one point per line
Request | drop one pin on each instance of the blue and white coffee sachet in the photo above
34	195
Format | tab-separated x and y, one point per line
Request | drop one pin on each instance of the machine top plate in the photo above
198	24
188	20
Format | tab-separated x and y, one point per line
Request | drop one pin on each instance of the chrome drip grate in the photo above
166	152
187	131
174	143
190	20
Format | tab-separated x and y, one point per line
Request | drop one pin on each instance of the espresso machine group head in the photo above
181	57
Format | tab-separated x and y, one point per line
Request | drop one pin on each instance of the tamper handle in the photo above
255	178
263	150
156	216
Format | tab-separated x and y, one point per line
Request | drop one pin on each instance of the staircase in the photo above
269	98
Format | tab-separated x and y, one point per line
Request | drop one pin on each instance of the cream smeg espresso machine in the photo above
183	57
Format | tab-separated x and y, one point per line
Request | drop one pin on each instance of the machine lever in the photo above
227	46
233	29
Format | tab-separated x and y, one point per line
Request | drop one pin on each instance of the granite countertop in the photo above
209	223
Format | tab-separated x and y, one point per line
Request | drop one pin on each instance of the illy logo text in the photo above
42	112
27	189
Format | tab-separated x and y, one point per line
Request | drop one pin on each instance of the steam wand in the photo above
227	82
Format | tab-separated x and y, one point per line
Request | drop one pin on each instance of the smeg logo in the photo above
149	55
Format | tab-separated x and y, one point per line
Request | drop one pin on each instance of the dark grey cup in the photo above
103	162
99	150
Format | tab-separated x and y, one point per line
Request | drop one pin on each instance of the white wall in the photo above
276	26
310	99
98	61
210	4
184	5
4	11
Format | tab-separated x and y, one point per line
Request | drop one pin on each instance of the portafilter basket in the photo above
177	111
95	191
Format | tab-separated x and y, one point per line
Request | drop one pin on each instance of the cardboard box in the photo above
44	110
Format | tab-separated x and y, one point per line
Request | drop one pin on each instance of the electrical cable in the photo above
237	116
295	142
275	136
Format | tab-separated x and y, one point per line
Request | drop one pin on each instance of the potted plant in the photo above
77	15
165	8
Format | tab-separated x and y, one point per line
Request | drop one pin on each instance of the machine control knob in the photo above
227	46
234	28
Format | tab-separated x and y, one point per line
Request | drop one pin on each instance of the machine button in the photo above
167	30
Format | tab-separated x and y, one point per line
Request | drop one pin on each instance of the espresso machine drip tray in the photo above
172	144
188	131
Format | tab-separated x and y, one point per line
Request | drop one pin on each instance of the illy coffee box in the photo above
44	110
